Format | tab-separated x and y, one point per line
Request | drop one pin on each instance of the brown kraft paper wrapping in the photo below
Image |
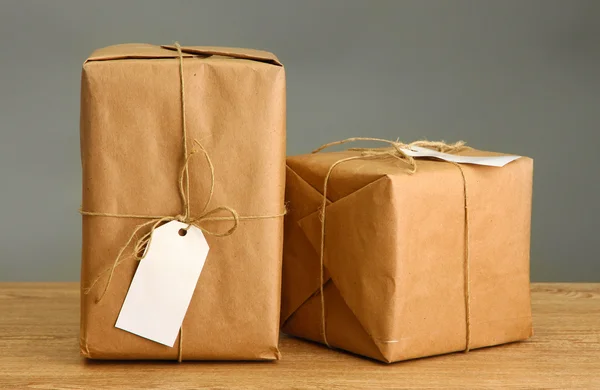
131	151
394	254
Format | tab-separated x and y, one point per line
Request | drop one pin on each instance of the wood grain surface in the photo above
39	329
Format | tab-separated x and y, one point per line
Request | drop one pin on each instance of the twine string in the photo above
466	263
394	150
154	221
185	171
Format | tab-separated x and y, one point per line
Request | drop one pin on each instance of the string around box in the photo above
395	150
154	221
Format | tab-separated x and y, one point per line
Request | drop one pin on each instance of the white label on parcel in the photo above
492	161
164	283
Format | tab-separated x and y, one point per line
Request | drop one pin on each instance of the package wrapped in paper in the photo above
131	150
414	263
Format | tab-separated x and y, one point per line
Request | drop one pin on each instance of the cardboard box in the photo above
395	285
131	151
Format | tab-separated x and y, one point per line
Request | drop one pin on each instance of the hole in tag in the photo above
182	232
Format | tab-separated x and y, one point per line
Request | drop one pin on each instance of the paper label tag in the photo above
492	161
163	284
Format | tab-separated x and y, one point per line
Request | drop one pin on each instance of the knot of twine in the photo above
154	221
396	150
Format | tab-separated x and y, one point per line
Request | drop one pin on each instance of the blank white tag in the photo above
164	283
492	161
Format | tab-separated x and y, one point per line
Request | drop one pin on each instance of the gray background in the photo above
513	76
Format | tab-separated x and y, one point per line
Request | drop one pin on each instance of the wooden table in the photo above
39	327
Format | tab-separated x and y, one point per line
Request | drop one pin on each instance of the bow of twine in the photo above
154	221
396	151
157	220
